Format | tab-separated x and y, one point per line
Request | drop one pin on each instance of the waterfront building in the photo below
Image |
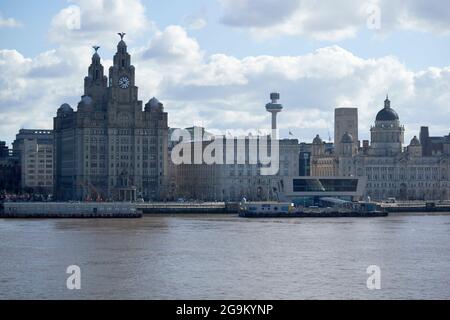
9	171
345	120
235	178
33	149
4	150
304	160
432	146
314	191
111	148
419	171
238	173
323	160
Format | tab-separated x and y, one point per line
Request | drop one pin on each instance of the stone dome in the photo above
153	104
415	141
65	108
347	138
387	113
317	140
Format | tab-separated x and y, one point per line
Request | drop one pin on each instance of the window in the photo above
325	185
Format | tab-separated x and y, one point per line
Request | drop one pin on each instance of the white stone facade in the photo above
35	151
232	182
392	171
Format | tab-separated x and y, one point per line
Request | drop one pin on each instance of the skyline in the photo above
225	85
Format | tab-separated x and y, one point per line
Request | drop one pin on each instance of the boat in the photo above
289	210
265	209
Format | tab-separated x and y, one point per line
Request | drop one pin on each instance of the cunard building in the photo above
110	147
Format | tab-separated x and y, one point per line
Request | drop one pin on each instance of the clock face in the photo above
124	82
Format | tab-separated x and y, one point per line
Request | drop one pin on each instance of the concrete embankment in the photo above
71	215
443	209
110	210
187	208
73	210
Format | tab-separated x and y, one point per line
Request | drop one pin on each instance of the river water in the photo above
226	257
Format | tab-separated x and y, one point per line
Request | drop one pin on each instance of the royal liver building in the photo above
110	148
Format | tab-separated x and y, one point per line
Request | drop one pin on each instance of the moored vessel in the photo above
289	210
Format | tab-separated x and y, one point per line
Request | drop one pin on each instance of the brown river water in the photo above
226	257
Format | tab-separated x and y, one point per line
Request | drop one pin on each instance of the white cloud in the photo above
9	22
334	20
97	21
197	24
33	88
221	91
419	15
216	90
331	20
173	45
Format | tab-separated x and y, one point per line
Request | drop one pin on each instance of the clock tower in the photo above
111	148
123	93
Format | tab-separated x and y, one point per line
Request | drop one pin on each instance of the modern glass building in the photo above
315	191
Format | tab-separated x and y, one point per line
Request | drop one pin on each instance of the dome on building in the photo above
317	140
153	104
387	113
65	108
347	138
415	141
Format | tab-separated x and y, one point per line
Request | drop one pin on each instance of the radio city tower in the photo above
274	107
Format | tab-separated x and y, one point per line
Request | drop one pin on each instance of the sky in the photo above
213	63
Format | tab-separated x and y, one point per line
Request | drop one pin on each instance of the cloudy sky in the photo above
214	62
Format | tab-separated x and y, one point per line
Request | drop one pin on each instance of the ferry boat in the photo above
265	209
288	210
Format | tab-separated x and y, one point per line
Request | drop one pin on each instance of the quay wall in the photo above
68	210
187	208
404	209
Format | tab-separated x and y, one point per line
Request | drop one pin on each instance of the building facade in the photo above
10	172
345	120
33	148
323	160
414	172
111	148
232	180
